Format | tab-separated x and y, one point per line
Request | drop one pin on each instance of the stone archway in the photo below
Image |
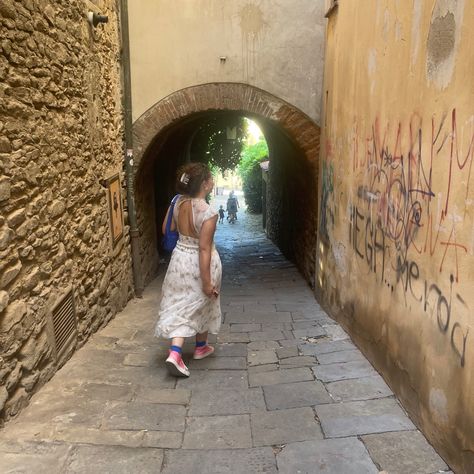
273	112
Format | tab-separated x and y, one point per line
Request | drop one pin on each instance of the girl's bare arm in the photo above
205	250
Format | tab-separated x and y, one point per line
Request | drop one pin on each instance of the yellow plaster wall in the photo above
275	46
396	222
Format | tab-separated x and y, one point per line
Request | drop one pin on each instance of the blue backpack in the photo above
170	238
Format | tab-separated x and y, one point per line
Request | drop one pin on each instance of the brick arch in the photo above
229	97
281	122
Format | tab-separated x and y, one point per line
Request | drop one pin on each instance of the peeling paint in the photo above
252	25
398	30
443	39
340	257
415	30
386	25
438	405
372	61
372	67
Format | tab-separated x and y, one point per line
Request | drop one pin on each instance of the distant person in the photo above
190	304
232	205
221	214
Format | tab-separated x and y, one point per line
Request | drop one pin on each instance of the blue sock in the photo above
201	343
176	349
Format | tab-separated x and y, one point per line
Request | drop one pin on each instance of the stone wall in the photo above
396	227
60	136
291	200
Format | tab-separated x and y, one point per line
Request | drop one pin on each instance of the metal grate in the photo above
64	322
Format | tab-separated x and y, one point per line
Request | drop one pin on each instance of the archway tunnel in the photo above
290	193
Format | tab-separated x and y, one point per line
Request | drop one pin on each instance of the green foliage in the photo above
211	143
251	174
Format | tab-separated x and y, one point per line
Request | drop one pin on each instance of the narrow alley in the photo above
287	391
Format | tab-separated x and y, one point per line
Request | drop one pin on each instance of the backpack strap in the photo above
170	214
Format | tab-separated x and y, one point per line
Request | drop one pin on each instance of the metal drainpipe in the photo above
129	171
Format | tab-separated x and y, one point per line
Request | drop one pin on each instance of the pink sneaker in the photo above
201	352
176	366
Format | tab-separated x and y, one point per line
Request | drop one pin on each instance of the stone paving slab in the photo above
230	461
312	331
38	458
365	388
280	376
324	347
266	335
217	432
335	332
245	327
258	369
279	326
304	324
300	394
154	376
343	371
329	456
226	402
215	379
62	408
143	359
76	434
255	317
285	352
143	416
319	318
284	426
260	307
306	306
362	417
263	345
104	391
299	361
114	460
233	337
177	396
218	363
230	350
161	439
402	452
261	357
290	342
340	356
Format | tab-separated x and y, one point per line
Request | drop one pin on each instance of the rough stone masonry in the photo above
60	135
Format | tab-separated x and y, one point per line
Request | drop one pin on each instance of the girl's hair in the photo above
190	177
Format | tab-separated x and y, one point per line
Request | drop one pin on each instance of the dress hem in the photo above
162	336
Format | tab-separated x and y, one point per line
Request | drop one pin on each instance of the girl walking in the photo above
190	304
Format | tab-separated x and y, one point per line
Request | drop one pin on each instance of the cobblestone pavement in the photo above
287	391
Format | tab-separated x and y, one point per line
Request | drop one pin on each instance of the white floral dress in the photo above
185	310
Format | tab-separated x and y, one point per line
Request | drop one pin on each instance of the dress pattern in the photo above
185	310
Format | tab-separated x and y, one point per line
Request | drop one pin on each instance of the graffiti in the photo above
326	212
437	304
368	242
398	186
410	213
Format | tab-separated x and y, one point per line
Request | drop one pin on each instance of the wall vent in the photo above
64	323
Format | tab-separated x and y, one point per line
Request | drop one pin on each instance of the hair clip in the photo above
184	178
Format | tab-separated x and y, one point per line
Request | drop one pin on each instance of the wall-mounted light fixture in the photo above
223	59
94	18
